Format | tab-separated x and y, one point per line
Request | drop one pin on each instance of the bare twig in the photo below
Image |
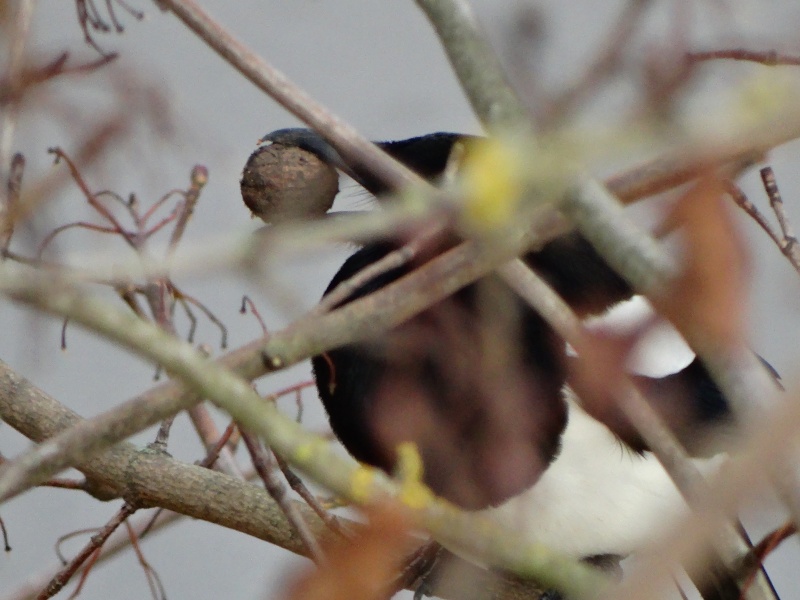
788	248
788	243
19	32
4	533
8	206
770	58
66	537
395	259
476	65
37	75
604	65
312	455
208	432
153	580
181	296
247	302
90	197
199	178
345	138
89	19
65	484
94	545
743	202
265	467
298	486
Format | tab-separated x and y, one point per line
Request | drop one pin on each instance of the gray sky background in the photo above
376	64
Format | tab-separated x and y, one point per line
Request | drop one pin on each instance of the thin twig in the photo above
210	435
4	533
65	484
8	207
90	197
213	452
350	144
742	201
96	542
248	302
19	30
68	536
199	177
314	456
605	64
207	312
770	58
153	580
393	260
265	467
298	486
788	244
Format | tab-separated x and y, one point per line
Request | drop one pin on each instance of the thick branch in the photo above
503	549
147	478
476	65
155	479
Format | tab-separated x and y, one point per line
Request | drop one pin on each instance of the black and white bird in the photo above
478	383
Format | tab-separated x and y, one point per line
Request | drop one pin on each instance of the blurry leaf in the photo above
708	297
364	567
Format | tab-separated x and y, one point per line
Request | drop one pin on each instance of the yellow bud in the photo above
409	462
492	182
413	493
361	483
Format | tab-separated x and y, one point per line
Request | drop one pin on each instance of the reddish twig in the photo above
187	310
96	542
207	312
213	452
300	488
158	204
743	202
34	76
774	539
90	197
69	536
160	225
64	334
78	224
199	178
770	58
153	580
85	574
606	63
4	533
65	484
9	210
89	19
755	558
265	467
247	302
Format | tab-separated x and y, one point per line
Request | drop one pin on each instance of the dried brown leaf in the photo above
364	567
708	297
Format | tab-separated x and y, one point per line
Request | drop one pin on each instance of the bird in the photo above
479	383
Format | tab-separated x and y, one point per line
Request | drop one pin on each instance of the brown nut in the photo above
285	183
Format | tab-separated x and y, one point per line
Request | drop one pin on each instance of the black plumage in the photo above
486	427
